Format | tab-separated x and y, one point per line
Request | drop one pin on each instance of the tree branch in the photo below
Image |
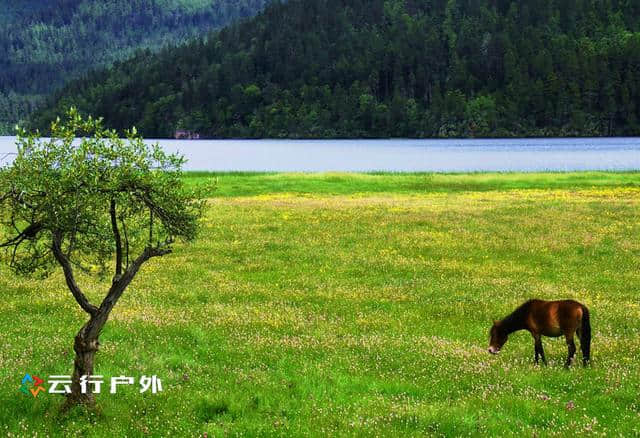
116	236
126	242
121	284
82	300
118	288
28	233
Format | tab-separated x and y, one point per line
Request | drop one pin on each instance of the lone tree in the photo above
89	204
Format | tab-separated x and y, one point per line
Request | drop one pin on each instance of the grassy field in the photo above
355	305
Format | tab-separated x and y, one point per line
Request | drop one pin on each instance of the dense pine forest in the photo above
375	68
44	43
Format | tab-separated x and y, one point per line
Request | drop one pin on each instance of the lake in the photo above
403	155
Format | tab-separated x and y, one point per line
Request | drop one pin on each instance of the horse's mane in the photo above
515	320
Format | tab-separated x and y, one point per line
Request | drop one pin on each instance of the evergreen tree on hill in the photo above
385	68
45	43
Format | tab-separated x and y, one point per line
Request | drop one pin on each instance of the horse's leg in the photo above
539	350
572	349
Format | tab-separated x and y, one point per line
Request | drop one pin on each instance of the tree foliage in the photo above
384	68
87	204
61	192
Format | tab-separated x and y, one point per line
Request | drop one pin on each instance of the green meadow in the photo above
353	305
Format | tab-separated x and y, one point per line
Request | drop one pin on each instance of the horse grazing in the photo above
548	318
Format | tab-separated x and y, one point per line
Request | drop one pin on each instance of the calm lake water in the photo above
403	155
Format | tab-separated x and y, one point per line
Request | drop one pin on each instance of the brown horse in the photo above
548	318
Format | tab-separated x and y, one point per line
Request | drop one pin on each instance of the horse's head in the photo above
497	338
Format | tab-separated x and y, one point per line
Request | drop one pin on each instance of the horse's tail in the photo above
585	335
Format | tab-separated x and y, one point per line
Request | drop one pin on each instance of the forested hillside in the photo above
44	43
360	68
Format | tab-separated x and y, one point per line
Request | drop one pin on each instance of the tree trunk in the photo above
85	346
86	342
